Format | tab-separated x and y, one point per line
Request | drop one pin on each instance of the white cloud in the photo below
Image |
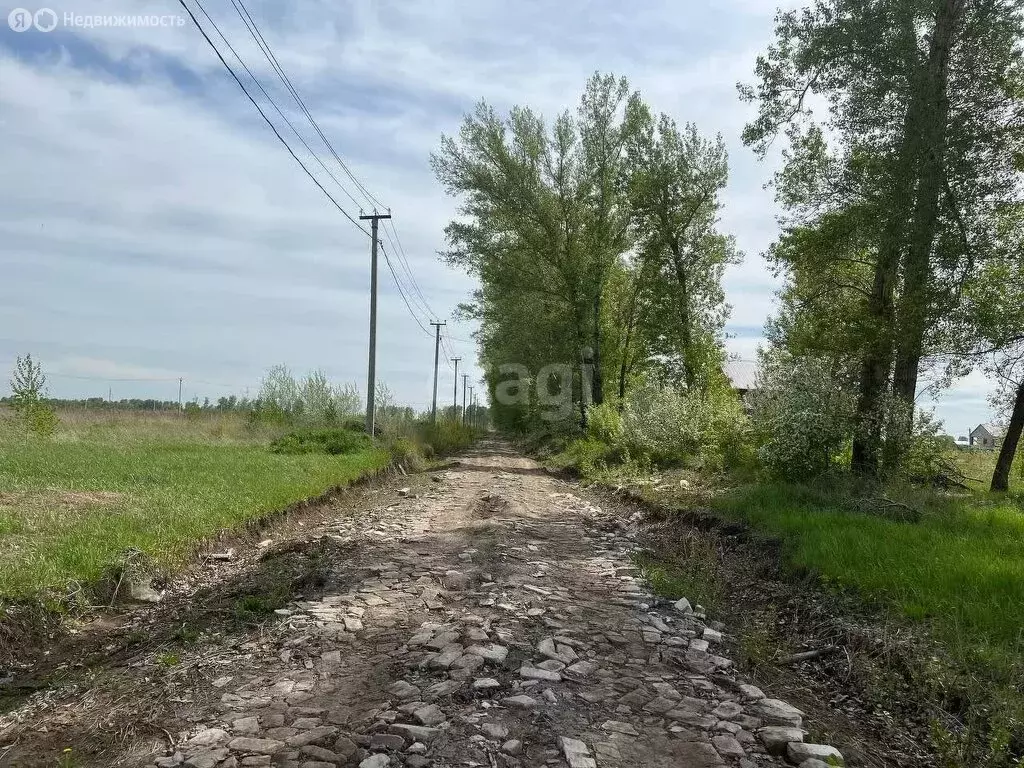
149	219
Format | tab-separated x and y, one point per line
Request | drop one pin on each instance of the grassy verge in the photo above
71	506
960	568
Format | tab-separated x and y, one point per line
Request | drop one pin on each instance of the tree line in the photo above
901	244
596	240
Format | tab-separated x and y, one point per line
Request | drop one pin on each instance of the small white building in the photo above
988	436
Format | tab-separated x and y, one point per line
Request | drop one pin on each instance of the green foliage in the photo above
893	215
673	180
672	427
28	386
444	438
594	238
252	609
406	453
41	419
604	423
694	571
587	455
28	383
333	441
802	414
71	507
284	400
926	458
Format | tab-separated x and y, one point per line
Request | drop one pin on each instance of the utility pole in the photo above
180	381
465	379
455	397
471	401
437	351
371	374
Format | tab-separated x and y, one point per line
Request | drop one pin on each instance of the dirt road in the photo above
488	617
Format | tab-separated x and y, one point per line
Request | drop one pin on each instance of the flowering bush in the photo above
672	426
802	414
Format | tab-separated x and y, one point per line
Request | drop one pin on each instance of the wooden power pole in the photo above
371	374
437	352
465	379
455	397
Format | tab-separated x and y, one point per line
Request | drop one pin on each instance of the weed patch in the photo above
73	507
331	441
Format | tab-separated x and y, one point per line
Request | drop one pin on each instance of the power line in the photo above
415	293
403	262
275	105
401	292
408	269
412	292
268	52
260	110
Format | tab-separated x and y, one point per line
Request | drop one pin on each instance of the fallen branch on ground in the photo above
816	653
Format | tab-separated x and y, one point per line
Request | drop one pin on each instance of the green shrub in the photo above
444	437
673	427
405	453
333	441
802	416
604	423
28	387
587	454
40	419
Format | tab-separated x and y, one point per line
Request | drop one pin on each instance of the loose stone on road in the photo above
498	620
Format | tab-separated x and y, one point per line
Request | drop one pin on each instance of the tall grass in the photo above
961	568
71	506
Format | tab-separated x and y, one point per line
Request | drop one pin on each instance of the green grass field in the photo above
71	505
961	568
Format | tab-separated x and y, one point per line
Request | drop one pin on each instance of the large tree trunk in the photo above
685	314
915	302
875	364
598	385
1001	477
878	354
624	365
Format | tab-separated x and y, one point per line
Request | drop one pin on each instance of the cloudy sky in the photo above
152	227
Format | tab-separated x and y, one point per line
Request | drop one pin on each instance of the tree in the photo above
28	384
923	134
993	301
596	244
28	387
675	181
1011	367
544	222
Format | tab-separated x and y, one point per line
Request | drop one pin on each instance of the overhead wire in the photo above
274	104
401	291
408	269
412	294
264	46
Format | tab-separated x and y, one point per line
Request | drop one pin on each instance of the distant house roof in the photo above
742	374
995	430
